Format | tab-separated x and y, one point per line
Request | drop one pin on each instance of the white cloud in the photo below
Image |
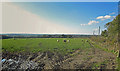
83	24
105	17
100	17
93	22
90	23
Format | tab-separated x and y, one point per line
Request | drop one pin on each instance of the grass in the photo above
44	44
118	59
105	49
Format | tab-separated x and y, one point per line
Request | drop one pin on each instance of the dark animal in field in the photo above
86	40
55	48
65	41
40	44
104	41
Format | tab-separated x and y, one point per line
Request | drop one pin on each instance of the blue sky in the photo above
83	17
62	0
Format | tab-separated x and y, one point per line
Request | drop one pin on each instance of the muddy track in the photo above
91	58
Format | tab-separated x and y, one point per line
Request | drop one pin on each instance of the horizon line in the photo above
52	33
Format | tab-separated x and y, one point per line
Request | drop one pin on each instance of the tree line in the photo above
113	31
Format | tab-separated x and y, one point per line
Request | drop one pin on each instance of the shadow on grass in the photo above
118	59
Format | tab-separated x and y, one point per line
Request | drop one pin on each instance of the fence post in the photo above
118	55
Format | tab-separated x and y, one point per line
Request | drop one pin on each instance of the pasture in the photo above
44	44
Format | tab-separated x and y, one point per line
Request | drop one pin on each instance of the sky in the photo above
57	17
60	0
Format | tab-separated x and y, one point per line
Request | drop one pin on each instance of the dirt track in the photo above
89	59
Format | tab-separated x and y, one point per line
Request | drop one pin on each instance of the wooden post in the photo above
118	55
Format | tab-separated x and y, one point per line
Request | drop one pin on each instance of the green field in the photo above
44	44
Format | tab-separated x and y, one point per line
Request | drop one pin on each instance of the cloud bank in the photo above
18	20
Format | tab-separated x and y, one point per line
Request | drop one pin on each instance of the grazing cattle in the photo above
57	40
65	41
68	40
